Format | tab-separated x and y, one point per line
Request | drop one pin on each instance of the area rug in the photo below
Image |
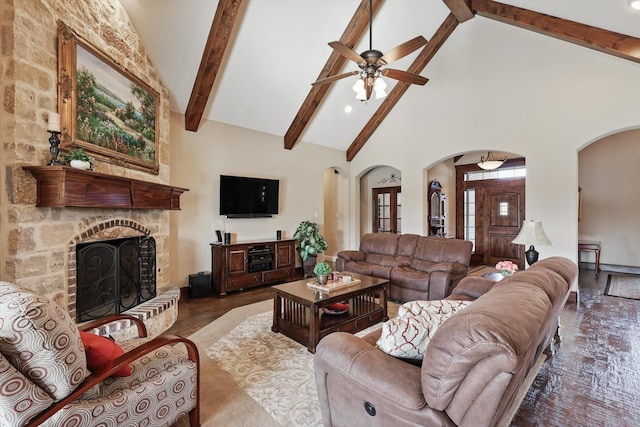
623	286
253	376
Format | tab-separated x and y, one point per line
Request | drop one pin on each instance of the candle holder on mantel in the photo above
53	128
54	141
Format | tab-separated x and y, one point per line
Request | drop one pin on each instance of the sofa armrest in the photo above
472	287
350	255
350	358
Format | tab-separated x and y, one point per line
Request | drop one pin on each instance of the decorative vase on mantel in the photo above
80	164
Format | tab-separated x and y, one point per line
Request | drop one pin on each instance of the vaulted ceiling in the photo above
250	63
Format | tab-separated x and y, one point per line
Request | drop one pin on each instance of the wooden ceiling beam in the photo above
461	9
605	41
352	34
219	35
428	52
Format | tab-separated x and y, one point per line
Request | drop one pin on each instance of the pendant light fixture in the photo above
490	163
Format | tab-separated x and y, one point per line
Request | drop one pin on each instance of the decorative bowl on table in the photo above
336	308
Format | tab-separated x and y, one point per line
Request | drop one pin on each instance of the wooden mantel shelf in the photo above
63	186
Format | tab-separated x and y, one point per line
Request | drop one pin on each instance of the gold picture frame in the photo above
105	109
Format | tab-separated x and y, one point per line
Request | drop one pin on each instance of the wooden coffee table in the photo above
298	314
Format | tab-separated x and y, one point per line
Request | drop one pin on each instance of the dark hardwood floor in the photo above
592	380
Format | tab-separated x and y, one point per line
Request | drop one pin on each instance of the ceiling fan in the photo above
370	63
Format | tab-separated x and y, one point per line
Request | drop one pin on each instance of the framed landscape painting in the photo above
104	109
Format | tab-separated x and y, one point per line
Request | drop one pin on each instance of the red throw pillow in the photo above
101	351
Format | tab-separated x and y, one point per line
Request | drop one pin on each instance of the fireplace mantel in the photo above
63	186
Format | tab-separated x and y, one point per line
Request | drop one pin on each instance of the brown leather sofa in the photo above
473	366
417	267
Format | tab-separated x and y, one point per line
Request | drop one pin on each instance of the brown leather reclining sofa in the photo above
473	366
417	267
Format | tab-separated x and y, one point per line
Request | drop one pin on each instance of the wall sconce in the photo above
53	127
490	163
532	234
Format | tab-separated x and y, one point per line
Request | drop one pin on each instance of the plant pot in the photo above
323	279
308	265
80	164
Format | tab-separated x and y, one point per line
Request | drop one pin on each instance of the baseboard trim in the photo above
613	268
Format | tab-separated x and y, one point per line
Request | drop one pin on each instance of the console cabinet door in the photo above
285	255
236	261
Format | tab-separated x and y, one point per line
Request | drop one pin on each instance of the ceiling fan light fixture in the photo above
490	163
635	4
379	86
359	89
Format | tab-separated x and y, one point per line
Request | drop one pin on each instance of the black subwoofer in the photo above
200	284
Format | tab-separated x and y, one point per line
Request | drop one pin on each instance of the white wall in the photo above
609	177
494	87
504	88
199	158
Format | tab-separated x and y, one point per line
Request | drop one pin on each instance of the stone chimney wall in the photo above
36	242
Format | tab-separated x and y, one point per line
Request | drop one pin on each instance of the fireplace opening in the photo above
114	276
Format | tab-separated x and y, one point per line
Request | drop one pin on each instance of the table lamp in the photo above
532	234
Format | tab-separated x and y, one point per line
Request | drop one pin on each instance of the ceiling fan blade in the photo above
334	78
403	50
404	76
348	53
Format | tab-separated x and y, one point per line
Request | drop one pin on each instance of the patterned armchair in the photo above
45	380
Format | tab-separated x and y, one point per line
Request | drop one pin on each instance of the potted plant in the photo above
78	158
322	271
310	244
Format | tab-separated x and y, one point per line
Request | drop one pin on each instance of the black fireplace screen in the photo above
114	276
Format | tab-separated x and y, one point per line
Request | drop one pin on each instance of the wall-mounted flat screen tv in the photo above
245	197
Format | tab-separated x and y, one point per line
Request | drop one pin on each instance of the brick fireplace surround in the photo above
158	314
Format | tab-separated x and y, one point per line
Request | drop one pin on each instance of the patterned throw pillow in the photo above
41	341
408	335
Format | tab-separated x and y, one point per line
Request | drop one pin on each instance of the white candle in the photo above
54	122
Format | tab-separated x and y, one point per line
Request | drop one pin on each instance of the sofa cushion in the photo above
20	399
101	351
408	335
380	243
40	340
439	249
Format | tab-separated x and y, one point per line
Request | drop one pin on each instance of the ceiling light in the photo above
635	4
359	89
379	86
348	109
490	163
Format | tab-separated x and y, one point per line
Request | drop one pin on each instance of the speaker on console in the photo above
227	238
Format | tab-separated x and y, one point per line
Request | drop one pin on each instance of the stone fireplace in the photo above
39	242
158	312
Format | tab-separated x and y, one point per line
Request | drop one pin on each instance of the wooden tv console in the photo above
239	266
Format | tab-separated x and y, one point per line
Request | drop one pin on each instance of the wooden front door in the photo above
489	212
387	210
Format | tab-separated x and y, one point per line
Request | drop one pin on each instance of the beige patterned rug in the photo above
623	285
252	376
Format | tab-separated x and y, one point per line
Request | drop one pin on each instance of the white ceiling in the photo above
280	46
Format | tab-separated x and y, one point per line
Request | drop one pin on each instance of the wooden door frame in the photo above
462	185
393	207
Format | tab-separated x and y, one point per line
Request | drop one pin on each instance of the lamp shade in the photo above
532	233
